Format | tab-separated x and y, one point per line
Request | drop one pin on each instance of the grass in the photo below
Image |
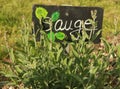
12	11
37	66
87	66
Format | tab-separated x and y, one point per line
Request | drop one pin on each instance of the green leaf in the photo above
118	50
93	70
55	16
17	67
91	87
94	36
12	57
64	61
75	52
11	75
11	83
60	35
107	45
77	78
59	53
41	12
51	36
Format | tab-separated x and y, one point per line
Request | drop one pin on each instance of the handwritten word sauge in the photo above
73	27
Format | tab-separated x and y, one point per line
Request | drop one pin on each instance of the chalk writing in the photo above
60	25
68	21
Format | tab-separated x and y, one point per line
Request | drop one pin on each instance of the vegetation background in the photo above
14	13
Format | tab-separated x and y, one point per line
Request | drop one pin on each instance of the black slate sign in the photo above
66	21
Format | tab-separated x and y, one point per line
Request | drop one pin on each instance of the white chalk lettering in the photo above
78	24
59	25
88	22
73	27
69	27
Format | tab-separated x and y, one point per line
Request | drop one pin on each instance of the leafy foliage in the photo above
41	12
37	66
46	64
60	35
55	16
